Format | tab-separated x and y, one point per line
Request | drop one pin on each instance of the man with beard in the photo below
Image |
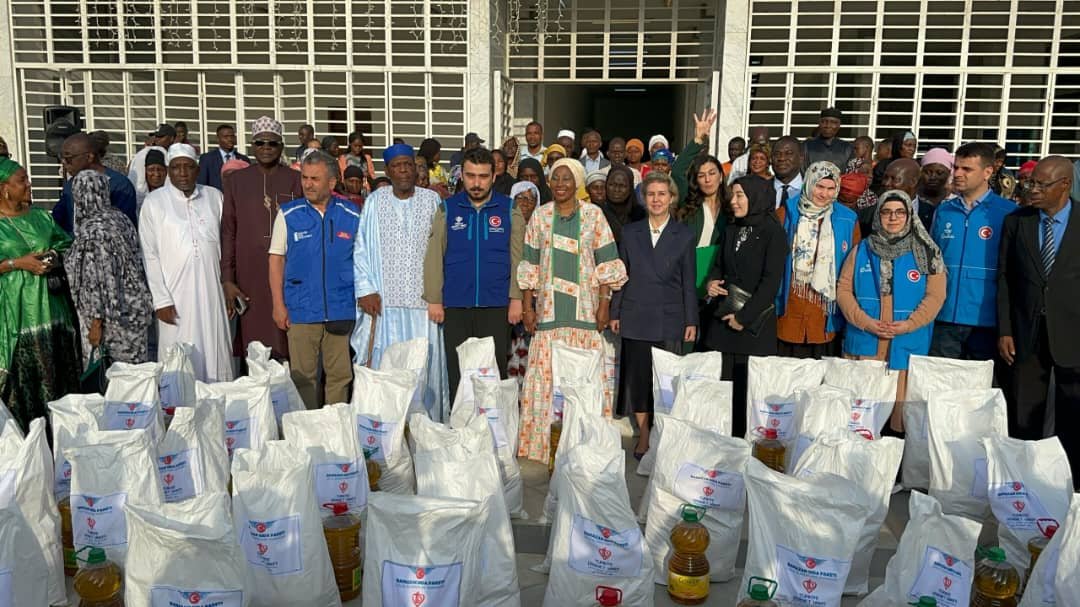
388	266
470	260
178	231
253	196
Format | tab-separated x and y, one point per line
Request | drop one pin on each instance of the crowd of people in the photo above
814	248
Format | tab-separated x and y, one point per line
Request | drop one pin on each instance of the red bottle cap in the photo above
338	508
608	596
770	433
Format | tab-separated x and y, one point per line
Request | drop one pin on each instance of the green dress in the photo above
39	350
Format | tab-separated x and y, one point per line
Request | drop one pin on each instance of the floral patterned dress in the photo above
566	260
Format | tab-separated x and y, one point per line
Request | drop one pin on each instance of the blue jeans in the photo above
964	342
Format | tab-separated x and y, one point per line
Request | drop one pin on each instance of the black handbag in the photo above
93	379
736	299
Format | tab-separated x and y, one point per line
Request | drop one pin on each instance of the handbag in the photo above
736	299
93	379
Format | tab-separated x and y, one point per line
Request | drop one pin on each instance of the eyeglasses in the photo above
1040	185
266	143
893	214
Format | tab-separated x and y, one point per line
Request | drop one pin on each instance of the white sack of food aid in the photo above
935	557
24	574
874	387
71	416
1029	486
329	437
249	415
810	563
192	459
412	356
668	366
770	393
380	403
498	403
1053	581
705	469
423	551
476	358
188	555
109	470
26	482
702	400
476	477
427	436
819	410
595	540
176	385
132	399
284	396
583	422
872	466
570	364
929	375
280	530
959	421
705	403
6	416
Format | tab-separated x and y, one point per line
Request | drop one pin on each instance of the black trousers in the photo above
818	351
1029	388
735	368
461	324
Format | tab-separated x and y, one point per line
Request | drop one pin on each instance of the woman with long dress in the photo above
39	351
570	267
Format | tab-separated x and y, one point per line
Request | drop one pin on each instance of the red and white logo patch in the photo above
495	221
914	275
986	232
843	246
344	235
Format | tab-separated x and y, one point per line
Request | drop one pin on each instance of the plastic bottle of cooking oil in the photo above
688	568
373	471
760	591
996	581
770	451
1036	545
556	434
99	583
67	538
342	531
606	596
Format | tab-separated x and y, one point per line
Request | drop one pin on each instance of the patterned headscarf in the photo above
813	255
579	175
913	238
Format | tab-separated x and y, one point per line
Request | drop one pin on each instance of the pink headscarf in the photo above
938	156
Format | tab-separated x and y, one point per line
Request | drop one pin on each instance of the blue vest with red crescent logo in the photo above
476	266
909	288
319	261
844	224
969	242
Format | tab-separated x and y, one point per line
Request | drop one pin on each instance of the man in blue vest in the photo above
471	261
967	227
311	281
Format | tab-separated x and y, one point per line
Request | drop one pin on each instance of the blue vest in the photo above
476	266
844	224
909	288
319	261
969	245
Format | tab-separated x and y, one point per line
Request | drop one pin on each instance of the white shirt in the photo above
589	163
708	227
279	239
794	188
655	233
739	167
538	156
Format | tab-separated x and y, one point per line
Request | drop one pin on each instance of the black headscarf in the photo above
761	199
534	164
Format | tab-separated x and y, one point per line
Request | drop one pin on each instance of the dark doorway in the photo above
627	110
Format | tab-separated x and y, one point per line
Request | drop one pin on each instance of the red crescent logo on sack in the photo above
604	531
262	548
343	486
774	422
67	472
914	275
420	573
947	582
986	232
129	422
775	407
809	585
604	553
495	221
90	522
167	459
712	473
230	425
418	599
344	467
131	406
1019	505
855	415
707	490
371	440
949	560
194	598
811	563
1017	485
169	479
260	527
89	501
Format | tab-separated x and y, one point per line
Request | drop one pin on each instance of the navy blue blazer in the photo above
659	300
210	165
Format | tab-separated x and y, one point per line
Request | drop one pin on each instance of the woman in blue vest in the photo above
890	291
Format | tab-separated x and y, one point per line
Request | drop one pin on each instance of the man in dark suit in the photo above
1038	314
211	162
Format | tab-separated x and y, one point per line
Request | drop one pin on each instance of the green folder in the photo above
705	258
